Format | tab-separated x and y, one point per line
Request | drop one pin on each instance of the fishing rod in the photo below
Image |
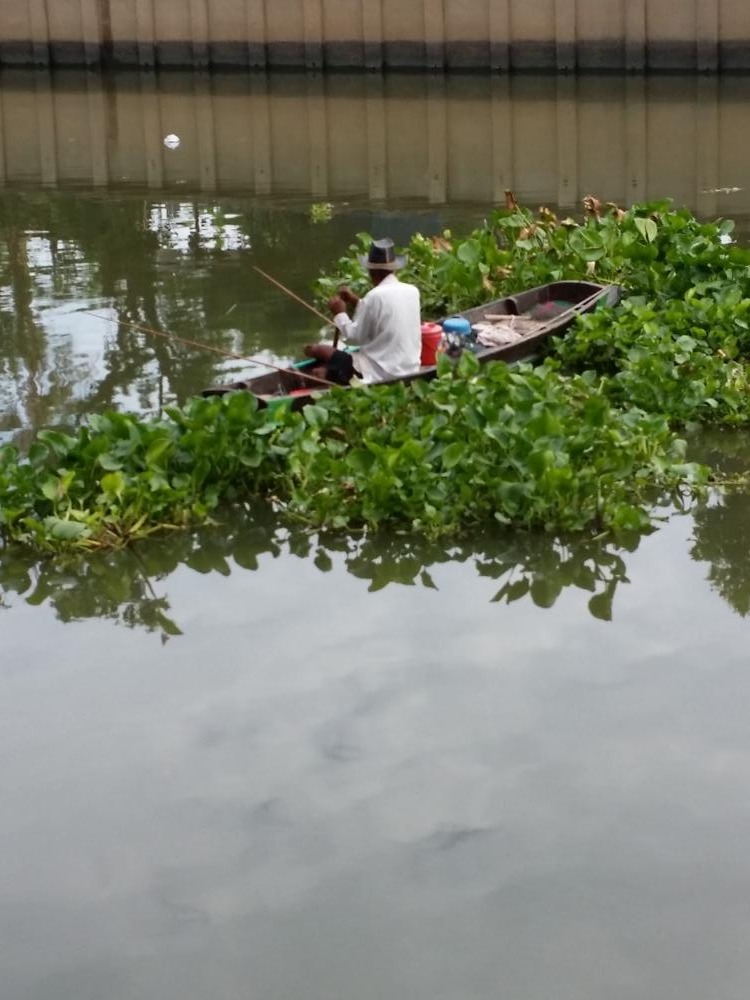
207	347
293	295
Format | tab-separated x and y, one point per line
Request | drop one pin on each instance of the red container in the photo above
431	334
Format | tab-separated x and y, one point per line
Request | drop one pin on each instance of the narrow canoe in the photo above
514	328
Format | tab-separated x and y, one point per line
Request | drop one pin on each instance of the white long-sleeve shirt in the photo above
387	328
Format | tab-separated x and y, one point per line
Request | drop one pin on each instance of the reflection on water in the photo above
132	587
438	139
721	533
722	539
413	792
360	767
77	271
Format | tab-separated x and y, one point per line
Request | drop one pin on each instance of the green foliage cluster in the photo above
118	478
678	344
524	446
685	358
585	440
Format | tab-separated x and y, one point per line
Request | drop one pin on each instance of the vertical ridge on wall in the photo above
146	32
152	132
317	126
255	12
200	33
707	33
97	110
635	34
499	34
502	139
105	22
312	12
39	27
372	31
47	131
3	169
92	32
565	35
206	133
261	135
434	33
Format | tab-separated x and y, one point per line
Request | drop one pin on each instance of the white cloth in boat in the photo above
505	331
387	328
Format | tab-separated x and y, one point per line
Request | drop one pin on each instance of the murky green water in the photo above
240	763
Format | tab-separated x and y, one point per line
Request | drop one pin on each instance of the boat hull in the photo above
571	298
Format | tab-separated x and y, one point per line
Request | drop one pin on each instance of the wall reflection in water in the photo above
443	139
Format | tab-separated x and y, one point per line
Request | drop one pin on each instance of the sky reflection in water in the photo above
326	791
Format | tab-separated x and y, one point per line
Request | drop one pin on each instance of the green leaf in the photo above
113	484
156	451
65	531
587	243
315	415
49	490
647	228
600	606
109	462
453	454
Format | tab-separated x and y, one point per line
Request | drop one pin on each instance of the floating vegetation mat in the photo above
588	440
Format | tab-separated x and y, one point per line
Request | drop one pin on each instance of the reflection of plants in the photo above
120	586
111	585
321	211
538	566
721	538
547	567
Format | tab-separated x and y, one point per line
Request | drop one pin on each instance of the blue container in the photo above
457	324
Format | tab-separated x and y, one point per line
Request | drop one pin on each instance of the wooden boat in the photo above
514	328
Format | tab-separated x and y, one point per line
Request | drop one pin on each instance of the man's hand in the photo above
348	296
337	305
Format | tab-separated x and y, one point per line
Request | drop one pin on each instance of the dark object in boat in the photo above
542	313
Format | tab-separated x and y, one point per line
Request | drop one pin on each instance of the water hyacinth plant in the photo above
586	440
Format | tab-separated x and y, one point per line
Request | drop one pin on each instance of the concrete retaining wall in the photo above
553	35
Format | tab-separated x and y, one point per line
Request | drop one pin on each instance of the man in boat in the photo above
385	325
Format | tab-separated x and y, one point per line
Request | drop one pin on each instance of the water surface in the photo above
246	762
